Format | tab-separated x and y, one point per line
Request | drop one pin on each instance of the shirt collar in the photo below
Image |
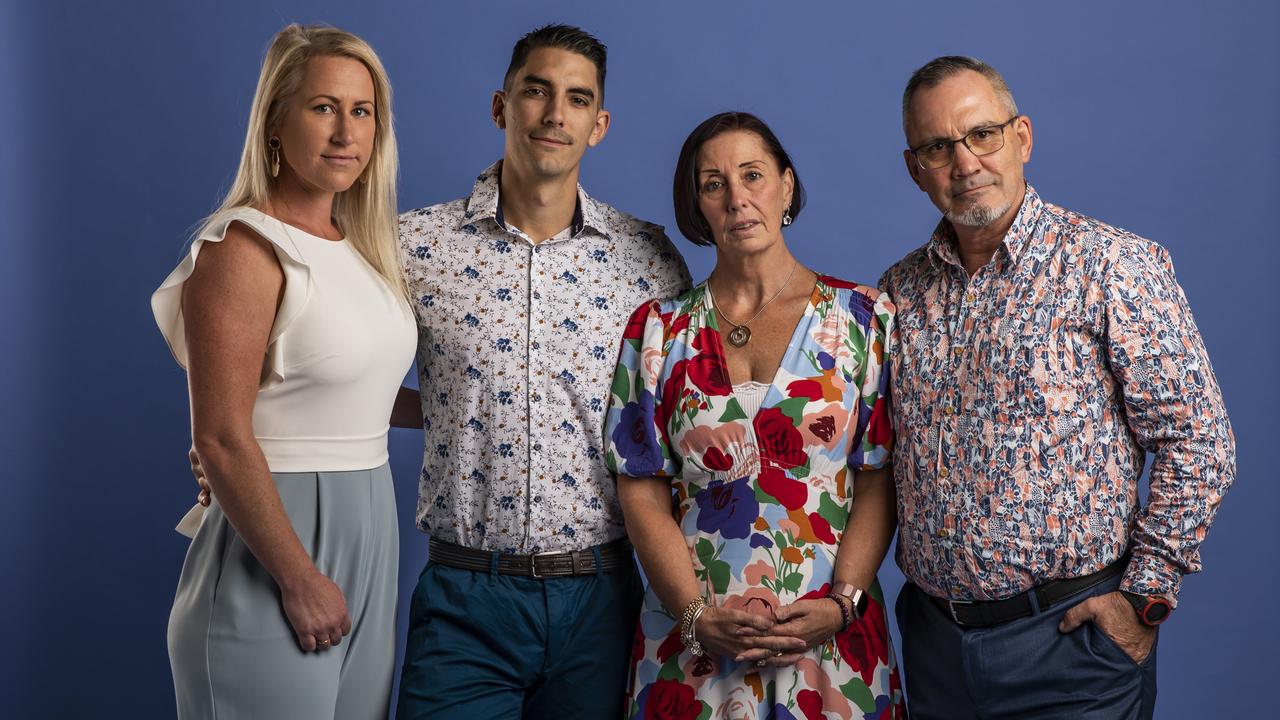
942	245
484	204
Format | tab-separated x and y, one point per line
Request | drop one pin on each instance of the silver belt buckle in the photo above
951	605
533	563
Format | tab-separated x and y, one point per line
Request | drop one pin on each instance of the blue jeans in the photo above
1021	669
485	645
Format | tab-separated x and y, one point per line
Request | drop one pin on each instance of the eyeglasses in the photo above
980	141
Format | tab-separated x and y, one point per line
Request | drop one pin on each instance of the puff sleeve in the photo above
635	435
870	331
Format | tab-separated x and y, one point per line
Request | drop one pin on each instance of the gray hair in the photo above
938	69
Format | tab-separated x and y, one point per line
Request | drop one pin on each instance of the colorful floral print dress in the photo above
762	501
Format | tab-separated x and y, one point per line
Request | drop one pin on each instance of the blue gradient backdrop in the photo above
123	122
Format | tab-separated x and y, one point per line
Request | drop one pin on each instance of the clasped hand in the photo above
779	638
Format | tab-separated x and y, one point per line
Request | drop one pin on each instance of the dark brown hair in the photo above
563	37
684	189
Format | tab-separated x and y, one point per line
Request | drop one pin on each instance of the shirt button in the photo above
537	447
949	410
970	297
942	532
943	472
958	350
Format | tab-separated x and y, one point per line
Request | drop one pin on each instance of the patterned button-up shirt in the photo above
1025	398
517	344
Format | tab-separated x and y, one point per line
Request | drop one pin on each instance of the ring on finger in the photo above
761	662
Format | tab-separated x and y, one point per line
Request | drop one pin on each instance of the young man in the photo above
528	603
1040	355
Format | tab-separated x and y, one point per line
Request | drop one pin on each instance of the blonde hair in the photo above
366	211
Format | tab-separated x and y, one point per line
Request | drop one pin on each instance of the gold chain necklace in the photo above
741	334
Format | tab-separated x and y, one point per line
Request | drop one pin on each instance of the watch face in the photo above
1156	611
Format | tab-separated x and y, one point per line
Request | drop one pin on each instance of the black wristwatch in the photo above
1152	609
856	596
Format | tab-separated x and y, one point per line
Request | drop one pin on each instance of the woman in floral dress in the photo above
756	397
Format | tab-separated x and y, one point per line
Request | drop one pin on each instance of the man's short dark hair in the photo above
563	37
684	192
932	73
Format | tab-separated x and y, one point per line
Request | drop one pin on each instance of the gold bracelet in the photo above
687	619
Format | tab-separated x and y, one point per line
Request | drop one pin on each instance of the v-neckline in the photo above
793	345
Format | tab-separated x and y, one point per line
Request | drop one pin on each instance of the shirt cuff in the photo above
1150	575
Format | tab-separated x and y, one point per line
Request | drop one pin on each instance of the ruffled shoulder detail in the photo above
166	302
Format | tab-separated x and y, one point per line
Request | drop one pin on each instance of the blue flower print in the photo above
569	277
569	480
503	294
501	246
727	508
471	320
471	272
504	344
600	256
427	300
569	324
635	439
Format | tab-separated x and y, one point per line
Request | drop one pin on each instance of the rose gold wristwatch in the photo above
857	597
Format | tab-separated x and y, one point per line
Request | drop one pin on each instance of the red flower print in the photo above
810	702
810	389
822	528
716	459
778	437
680	325
671	700
832	282
865	645
670	646
707	374
879	428
707	341
637	646
671	394
636	323
791	493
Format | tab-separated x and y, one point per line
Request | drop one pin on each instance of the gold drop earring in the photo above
274	160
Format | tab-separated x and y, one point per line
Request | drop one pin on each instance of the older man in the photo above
1040	355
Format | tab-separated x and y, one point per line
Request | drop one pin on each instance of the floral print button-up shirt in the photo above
517	344
1025	398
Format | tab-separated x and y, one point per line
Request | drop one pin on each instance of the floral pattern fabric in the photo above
1026	398
516	344
762	502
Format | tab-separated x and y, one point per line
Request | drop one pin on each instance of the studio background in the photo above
123	123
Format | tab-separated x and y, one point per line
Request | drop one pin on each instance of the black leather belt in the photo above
988	613
614	556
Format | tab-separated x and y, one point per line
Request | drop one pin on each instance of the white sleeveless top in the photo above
338	351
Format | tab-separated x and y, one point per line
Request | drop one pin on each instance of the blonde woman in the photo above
289	314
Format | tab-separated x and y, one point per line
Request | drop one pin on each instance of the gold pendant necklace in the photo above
741	334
